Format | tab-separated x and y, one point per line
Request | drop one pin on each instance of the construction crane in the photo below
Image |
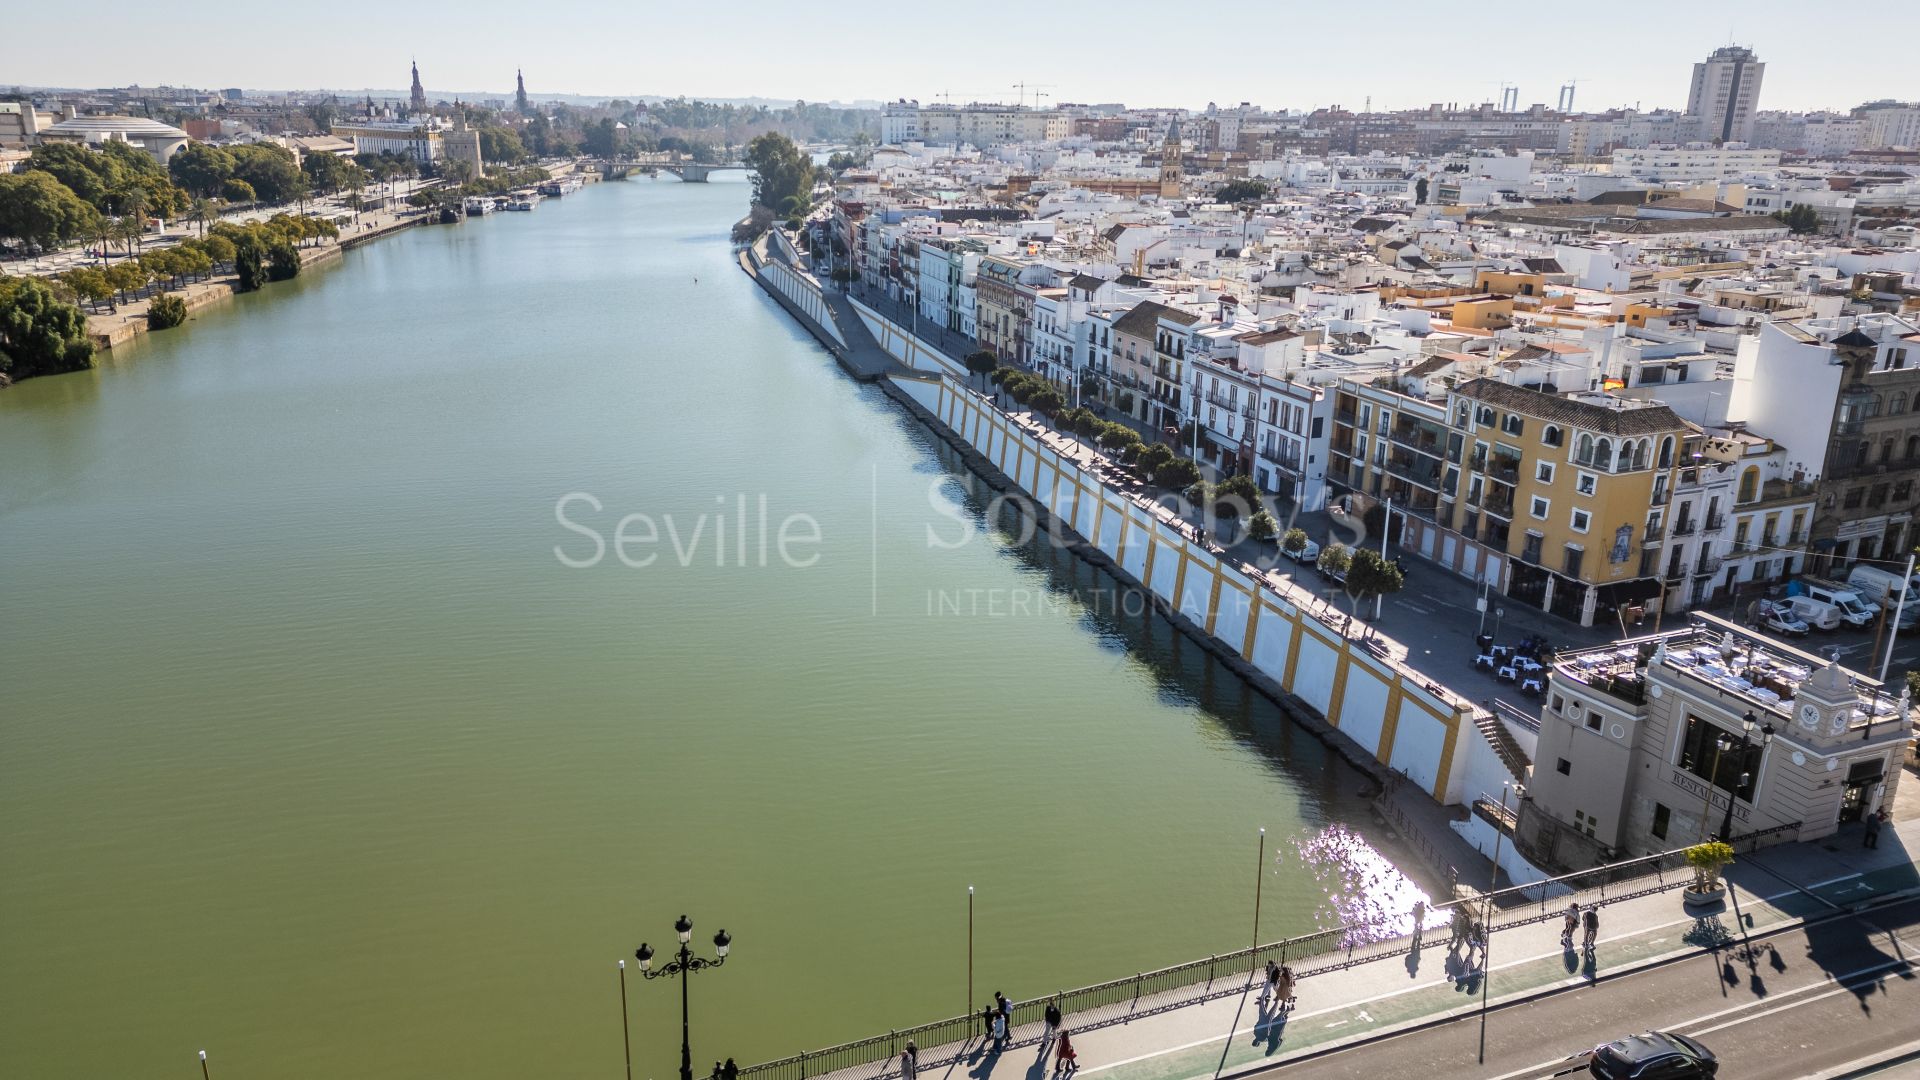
1023	87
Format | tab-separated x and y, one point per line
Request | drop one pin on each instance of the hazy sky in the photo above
1276	54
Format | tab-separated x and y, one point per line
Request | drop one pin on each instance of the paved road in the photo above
1811	999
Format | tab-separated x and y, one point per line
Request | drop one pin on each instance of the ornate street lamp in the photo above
684	964
1747	724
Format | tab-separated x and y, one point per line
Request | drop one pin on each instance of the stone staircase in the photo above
1512	755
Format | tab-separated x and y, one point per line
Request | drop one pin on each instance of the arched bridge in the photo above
697	174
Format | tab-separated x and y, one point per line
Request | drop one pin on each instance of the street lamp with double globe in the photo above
684	964
1747	724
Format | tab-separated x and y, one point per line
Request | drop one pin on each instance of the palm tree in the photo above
104	232
203	213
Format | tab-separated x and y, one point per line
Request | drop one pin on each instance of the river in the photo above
316	752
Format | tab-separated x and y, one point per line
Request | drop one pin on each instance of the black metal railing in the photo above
945	1042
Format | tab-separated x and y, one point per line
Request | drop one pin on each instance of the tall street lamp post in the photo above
1747	725
684	965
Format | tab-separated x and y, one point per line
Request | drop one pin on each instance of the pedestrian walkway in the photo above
1221	1028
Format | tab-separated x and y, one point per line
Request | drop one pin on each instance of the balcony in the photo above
1341	416
1708	566
1686	528
1654	534
1716	522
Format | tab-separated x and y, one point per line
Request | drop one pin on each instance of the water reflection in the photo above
1365	892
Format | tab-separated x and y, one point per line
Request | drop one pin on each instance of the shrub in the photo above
1294	542
283	261
166	312
1707	860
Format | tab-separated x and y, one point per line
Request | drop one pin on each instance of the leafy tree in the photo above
1420	191
1262	527
219	249
1234	191
165	312
1179	474
36	207
1154	457
201	169
1235	494
780	170
331	172
1799	220
250	265
269	170
39	333
73	165
127	277
758	220
502	145
1294	542
1371	575
1335	560
283	261
238	191
88	284
601	138
981	362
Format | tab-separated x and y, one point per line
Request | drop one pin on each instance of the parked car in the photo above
1778	618
1657	1055
1306	556
1818	614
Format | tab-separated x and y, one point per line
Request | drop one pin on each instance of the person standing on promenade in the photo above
730	1071
1571	924
1053	1026
999	1031
1065	1061
1419	922
1592	922
909	1062
1871	838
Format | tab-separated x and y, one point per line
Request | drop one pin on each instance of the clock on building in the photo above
1810	716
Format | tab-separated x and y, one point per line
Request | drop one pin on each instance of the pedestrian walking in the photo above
1268	981
999	1030
1065	1060
1871	838
716	1071
1571	924
730	1071
1458	924
1419	921
1283	988
986	1020
909	1062
1006	1007
1591	920
1053	1025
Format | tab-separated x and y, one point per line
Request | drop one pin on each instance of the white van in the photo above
1815	613
1854	611
1883	588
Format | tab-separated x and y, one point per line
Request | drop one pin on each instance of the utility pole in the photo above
1899	607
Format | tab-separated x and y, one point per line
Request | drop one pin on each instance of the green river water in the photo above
313	753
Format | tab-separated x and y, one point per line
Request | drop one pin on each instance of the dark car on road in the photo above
1657	1055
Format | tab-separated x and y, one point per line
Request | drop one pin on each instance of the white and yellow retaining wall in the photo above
1393	713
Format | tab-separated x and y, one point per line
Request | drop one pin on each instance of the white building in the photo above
1889	123
158	139
1693	163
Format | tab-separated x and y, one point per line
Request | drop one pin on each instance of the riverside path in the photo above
1221	1030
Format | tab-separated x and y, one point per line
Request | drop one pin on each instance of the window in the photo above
1853	499
1565	767
1541	508
1699	753
1513	424
1552	436
1593	721
1586	483
1584	455
1662	817
1581	521
1544	472
1574	555
1559	703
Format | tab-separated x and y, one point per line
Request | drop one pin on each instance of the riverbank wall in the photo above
796	292
1330	672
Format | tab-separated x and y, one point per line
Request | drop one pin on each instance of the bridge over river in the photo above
689	171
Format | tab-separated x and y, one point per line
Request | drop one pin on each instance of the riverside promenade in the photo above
1219	1029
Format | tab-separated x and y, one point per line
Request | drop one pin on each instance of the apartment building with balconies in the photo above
1574	488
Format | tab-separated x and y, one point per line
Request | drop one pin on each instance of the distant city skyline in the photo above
1400	55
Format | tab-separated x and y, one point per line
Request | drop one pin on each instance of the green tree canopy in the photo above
40	334
36	207
1234	191
1800	220
238	190
502	145
201	169
269	170
331	172
781	171
1371	575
